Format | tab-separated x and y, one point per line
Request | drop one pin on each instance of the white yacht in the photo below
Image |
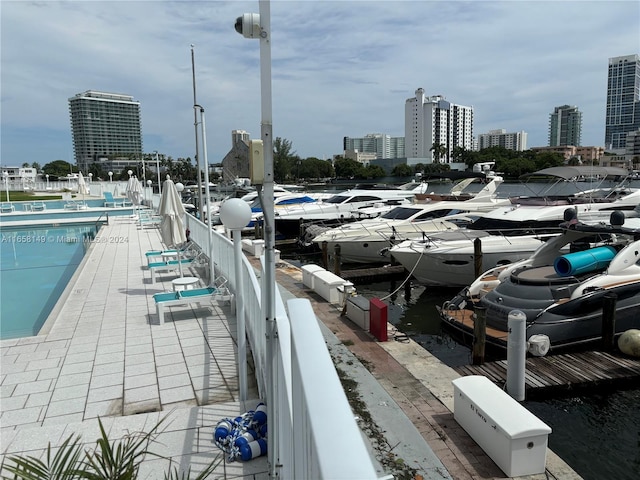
449	260
369	240
343	207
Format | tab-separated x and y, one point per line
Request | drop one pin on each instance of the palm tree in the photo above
439	150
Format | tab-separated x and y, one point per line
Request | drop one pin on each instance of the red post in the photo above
378	319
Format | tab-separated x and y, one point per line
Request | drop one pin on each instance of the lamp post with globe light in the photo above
251	25
235	215
47	177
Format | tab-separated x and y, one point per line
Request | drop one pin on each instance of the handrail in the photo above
296	378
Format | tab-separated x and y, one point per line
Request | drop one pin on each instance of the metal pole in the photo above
212	269
242	339
195	125
516	354
158	171
269	283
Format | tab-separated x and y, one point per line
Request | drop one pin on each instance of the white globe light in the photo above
235	213
179	187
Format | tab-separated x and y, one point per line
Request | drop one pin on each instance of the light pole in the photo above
195	126
259	26
110	177
212	268
47	177
5	174
235	215
130	172
149	183
158	170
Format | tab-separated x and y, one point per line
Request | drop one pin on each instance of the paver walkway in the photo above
103	354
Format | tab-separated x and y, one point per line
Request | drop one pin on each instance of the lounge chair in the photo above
159	253
7	207
38	206
75	205
171	265
185	297
109	201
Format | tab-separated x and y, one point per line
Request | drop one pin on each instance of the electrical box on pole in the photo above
256	162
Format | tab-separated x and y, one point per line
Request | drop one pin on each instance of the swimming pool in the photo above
37	263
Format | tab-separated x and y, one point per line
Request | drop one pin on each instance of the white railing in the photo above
315	433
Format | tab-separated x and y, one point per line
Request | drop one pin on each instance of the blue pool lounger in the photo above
167	266
164	300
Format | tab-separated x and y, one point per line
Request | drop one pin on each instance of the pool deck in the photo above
103	353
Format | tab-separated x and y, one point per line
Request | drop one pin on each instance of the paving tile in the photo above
104	393
14	402
32	387
66	406
39	399
140	394
137	381
22	416
20	377
177	394
98	381
71	392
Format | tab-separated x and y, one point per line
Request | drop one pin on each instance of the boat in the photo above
370	240
561	294
455	258
526	214
347	206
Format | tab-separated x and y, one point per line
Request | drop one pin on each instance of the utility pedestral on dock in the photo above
512	436
358	311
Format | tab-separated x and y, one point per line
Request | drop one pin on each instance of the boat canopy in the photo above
580	171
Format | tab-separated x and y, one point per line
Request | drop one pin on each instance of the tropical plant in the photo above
439	151
109	460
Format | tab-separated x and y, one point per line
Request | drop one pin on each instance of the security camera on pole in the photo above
252	25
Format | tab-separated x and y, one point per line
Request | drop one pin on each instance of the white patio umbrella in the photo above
82	186
134	191
172	212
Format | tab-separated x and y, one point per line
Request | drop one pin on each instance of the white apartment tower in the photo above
383	145
434	120
104	125
500	138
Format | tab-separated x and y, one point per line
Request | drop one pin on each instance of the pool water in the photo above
36	266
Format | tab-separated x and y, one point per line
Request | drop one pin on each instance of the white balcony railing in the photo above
315	432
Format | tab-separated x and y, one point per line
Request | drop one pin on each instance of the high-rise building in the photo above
433	121
104	125
500	138
239	135
383	145
565	126
623	100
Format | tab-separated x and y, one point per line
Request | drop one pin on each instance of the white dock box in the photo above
326	285
307	274
509	433
358	311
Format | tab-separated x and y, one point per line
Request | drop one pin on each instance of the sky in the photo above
339	68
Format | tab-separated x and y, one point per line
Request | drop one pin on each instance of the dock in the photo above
566	373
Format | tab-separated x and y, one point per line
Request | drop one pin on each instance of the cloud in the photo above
339	68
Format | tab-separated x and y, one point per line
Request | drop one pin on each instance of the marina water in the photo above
597	434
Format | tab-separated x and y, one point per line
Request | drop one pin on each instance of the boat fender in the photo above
629	343
538	345
253	449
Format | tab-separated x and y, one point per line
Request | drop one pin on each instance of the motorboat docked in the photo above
455	259
369	240
347	206
525	214
561	294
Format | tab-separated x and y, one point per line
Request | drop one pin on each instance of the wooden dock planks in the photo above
545	376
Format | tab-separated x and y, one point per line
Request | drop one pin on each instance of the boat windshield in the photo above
399	213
